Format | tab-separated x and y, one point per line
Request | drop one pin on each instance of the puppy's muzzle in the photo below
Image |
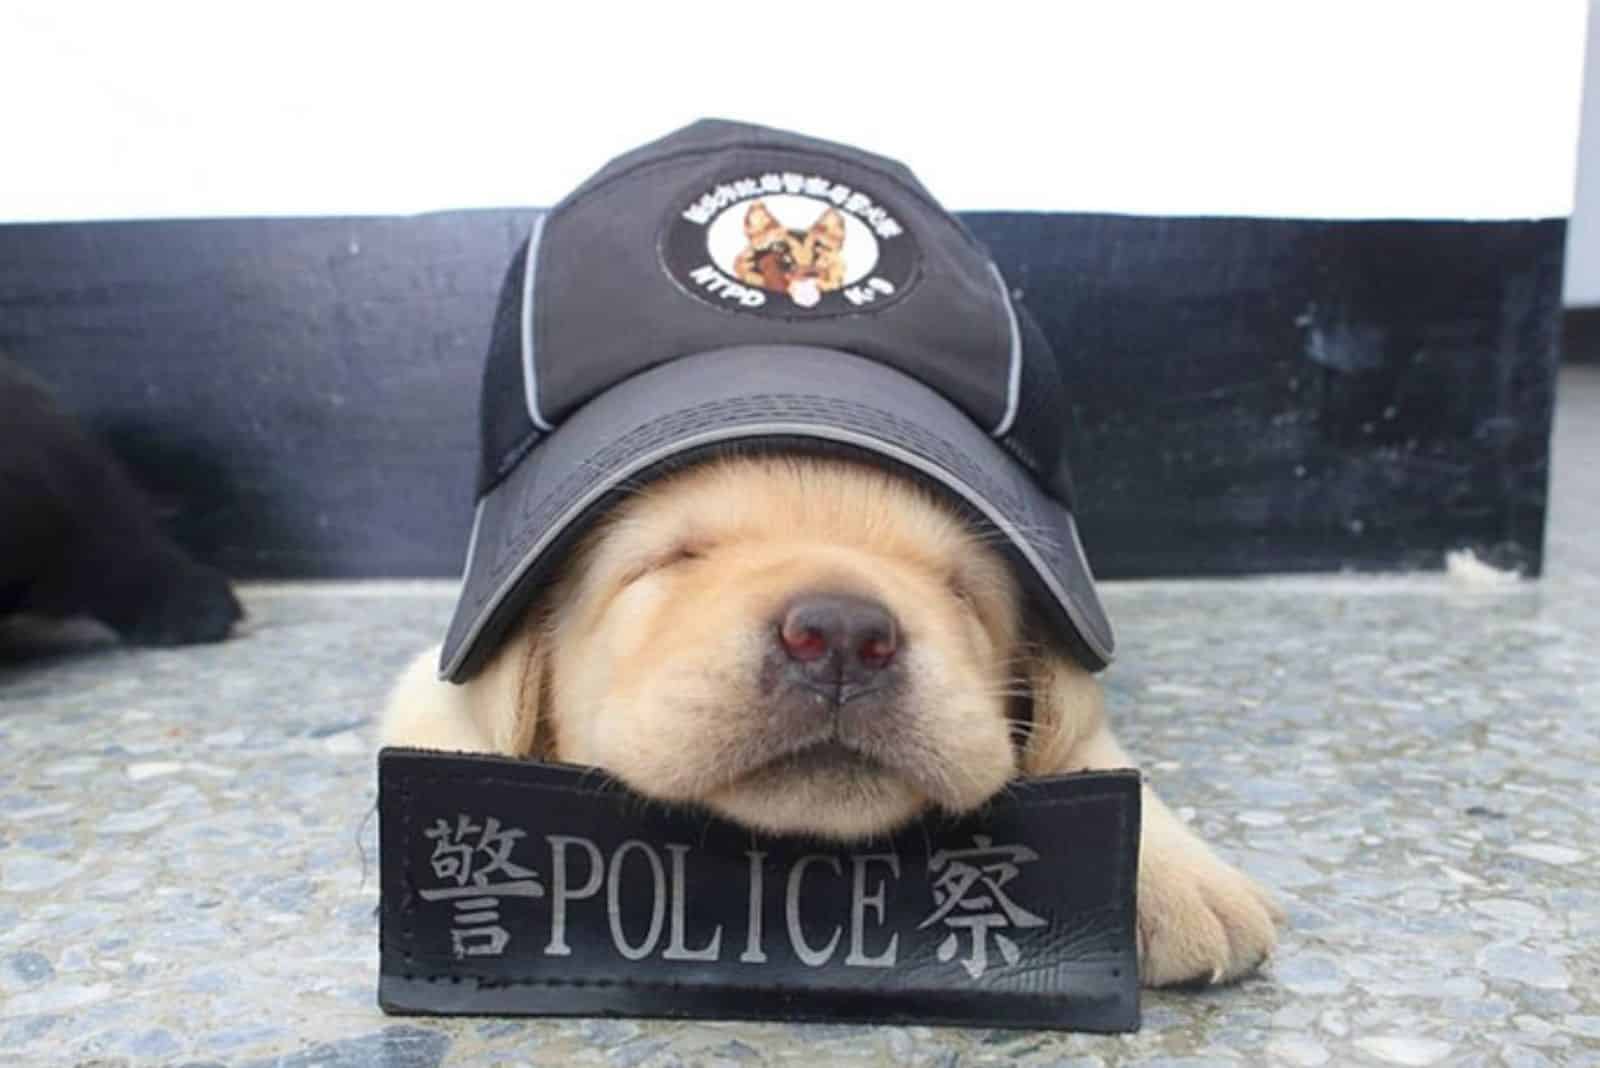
840	645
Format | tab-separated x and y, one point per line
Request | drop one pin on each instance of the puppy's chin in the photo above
823	792
837	801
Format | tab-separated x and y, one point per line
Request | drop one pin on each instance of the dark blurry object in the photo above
1580	334
78	538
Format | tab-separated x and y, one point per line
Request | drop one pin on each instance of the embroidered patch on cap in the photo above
789	245
513	887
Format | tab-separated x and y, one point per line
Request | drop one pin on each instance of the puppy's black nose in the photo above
839	638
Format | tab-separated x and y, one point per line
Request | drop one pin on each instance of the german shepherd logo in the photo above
789	245
802	264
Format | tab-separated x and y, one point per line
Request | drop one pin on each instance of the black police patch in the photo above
789	245
512	887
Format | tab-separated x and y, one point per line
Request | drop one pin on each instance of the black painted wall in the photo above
1251	395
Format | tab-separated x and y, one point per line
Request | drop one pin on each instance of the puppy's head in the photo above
801	645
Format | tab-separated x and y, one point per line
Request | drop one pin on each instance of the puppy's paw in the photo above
191	604
1201	921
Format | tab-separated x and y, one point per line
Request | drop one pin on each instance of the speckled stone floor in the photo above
1411	762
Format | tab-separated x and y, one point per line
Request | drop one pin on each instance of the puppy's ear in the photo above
1068	712
830	227
498	710
758	220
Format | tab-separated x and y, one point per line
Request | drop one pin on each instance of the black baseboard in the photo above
1580	335
1249	395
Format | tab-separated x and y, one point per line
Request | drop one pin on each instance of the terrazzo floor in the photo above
185	846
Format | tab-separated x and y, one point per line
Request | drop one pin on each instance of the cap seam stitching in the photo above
512	458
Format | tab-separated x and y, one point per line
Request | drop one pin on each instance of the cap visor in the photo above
788	395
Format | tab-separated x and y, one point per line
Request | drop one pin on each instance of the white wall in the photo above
1342	108
1583	236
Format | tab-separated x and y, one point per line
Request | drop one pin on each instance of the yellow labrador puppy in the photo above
812	645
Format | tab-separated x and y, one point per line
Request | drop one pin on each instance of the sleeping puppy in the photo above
815	646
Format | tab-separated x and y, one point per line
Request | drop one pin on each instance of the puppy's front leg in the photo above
1201	920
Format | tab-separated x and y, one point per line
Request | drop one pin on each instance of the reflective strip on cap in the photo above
530	377
1014	375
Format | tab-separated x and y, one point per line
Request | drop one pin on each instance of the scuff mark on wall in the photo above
1336	342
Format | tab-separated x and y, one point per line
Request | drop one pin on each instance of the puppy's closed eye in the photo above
668	557
960	588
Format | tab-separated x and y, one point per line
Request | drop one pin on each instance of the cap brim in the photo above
791	396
